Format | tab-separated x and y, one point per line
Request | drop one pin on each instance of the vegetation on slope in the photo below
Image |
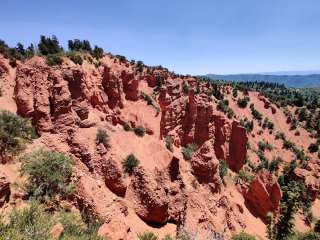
48	174
34	222
15	132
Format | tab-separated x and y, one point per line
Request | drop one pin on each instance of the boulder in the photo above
115	229
113	178
81	108
151	202
264	195
57	231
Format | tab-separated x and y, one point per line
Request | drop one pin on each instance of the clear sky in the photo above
187	36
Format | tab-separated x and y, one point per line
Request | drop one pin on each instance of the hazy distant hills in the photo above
296	79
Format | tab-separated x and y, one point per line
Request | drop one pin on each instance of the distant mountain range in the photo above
297	79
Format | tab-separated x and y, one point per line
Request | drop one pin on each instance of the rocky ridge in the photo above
166	193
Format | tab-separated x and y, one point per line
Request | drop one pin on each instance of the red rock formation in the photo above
204	121
62	98
130	86
61	104
221	136
81	109
77	83
191	117
264	195
113	178
151	80
99	100
151	202
201	212
32	95
237	147
205	165
113	87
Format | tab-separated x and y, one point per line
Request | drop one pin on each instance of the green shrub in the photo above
267	124
288	145
280	135
294	123
305	236
185	88
313	147
48	174
223	169
78	45
140	66
264	162
188	151
75	57
317	226
243	236
147	98
13	62
30	51
183	235
274	164
248	125
264	146
160	82
270	225
34	222
102	137
234	92
140	131
14	133
126	127
28	223
223	105
230	113
147	236
294	197
244	176
121	58
257	115
243	102
168	237
299	153
78	227
97	52
54	59
169	143
49	45
130	163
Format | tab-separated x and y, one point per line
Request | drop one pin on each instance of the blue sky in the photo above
187	36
